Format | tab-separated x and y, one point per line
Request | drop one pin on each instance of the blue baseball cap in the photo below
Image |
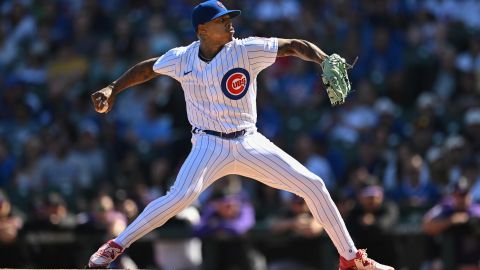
210	10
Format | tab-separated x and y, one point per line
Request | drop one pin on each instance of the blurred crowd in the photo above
403	149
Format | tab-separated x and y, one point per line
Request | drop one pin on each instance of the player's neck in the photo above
208	49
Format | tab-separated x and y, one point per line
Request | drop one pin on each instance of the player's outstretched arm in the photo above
334	67
300	48
104	99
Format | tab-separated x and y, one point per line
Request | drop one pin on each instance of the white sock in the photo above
350	254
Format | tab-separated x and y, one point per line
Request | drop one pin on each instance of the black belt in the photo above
232	135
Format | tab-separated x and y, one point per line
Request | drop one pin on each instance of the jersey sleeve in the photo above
262	52
169	63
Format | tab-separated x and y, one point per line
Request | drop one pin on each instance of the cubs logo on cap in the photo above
235	83
221	5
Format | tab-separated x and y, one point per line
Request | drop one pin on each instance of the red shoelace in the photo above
110	252
364	257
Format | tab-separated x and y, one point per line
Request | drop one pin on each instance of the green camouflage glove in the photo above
335	78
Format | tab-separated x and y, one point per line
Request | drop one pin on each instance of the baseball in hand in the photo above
104	107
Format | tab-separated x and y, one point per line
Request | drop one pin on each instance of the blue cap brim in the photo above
233	13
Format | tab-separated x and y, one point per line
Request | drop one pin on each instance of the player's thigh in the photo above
262	160
208	160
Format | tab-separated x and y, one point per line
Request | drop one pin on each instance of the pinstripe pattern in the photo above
252	156
207	106
265	162
212	106
208	159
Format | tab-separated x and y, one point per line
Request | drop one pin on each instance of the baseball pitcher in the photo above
218	74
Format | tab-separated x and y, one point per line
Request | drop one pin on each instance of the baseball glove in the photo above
335	78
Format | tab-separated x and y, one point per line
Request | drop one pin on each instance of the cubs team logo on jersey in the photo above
235	83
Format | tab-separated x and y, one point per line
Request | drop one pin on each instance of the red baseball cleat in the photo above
362	262
106	254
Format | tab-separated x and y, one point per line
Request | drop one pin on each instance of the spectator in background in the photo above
307	154
10	225
27	181
83	37
16	107
89	155
372	221
66	71
133	106
104	218
58	169
107	65
429	113
160	174
388	117
415	193
422	134
52	213
357	116
20	26
381	61
225	219
22	126
459	218
444	82
299	232
127	206
266	202
10	222
32	70
154	129
271	122
161	38
358	177
455	153
438	171
369	154
296	86
123	37
226	214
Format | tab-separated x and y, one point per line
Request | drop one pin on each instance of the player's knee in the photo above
172	199
314	184
187	196
314	181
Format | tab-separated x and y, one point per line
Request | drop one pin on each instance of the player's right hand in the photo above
103	100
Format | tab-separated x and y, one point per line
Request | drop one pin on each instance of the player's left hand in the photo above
335	78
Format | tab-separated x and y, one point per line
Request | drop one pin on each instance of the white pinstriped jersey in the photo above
220	95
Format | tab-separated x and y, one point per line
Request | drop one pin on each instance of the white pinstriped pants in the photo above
253	156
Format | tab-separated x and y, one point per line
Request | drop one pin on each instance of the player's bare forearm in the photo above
300	48
137	74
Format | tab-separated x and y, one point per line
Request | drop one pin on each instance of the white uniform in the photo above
220	96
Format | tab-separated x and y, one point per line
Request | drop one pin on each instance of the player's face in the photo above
220	30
